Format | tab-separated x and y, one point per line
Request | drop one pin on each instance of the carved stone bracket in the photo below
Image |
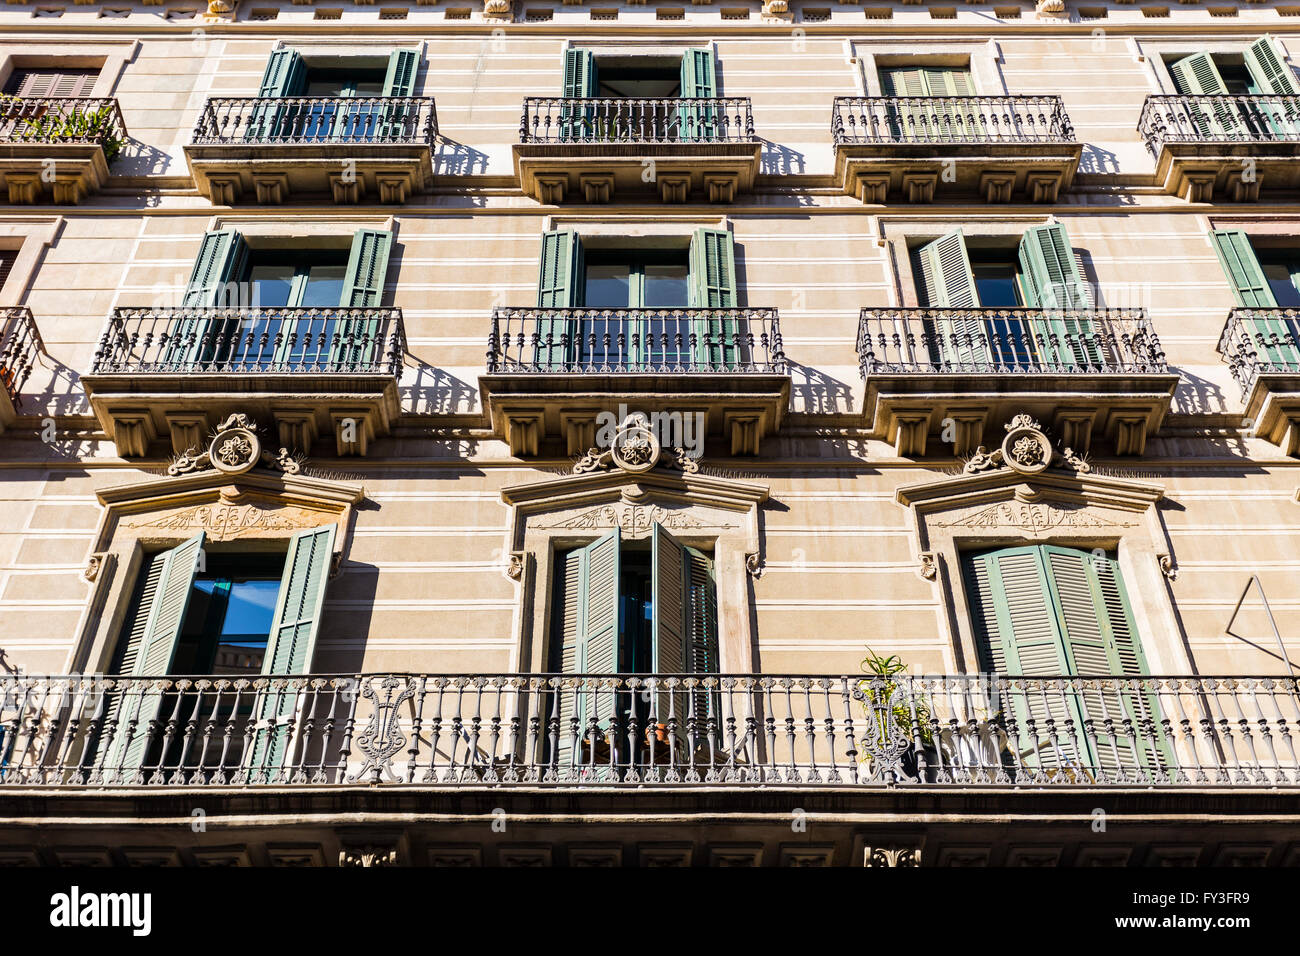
368	855
498	9
754	564
94	564
1167	566
515	569
907	856
928	567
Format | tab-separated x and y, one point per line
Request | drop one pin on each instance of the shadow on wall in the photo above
813	392
63	395
141	159
781	160
1095	159
456	159
1197	395
359	581
435	391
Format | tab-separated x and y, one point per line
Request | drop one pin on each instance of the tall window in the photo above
694	76
1257	71
1264	277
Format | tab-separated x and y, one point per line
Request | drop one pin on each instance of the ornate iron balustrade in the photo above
365	341
63	119
20	342
950	119
553	119
1219	119
1008	341
592	730
592	341
317	120
1257	341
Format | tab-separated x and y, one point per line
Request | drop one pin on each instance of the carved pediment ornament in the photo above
635	449
633	520
234	447
1026	450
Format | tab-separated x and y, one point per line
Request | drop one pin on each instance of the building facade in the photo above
527	433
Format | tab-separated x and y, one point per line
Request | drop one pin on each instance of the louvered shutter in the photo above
713	286
698	122
562	708
702	640
355	342
1270	72
1196	75
1052	281
598	633
560	281
397	120
667	623
285	76
580	81
216	281
61	83
290	645
945	281
152	657
1273	337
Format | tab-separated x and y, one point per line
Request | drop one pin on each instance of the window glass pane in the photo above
324	285
666	286
996	286
608	286
271	286
1281	278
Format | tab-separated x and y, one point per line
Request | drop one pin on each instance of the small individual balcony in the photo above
742	732
1262	349
20	344
914	148
73	138
1225	146
268	149
1085	371
594	147
173	373
552	371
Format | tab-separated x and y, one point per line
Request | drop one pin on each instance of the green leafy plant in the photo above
882	687
75	124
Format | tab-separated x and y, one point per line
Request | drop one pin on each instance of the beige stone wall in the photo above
424	584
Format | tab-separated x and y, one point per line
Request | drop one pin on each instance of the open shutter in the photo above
355	339
1051	280
1196	75
285	75
1272	335
945	281
216	281
667	625
152	655
291	644
699	81
702	641
580	81
559	286
1270	72
396	121
127	654
713	286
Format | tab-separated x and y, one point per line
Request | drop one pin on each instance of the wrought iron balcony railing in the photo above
594	120
1008	341
63	119
591	730
20	342
1259	341
589	341
364	341
1219	119
317	120
950	119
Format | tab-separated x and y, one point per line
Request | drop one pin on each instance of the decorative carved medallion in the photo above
635	449
632	520
1026	450
1033	518
929	565
234	448
227	522
754	564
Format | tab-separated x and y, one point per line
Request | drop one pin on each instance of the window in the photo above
1258	71
7	259
1049	611
195	613
1041	274
1267	277
648	280
43	82
634	607
692	76
227	273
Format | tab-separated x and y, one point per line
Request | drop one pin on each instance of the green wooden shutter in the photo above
713	286
396	120
217	280
1051	280
127	653
153	652
291	643
355	339
1271	334
918	122
702	639
1271	74
667	623
560	280
699	81
1196	75
580	81
285	75
946	281
566	631
598	632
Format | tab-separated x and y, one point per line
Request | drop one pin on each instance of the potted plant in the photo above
893	711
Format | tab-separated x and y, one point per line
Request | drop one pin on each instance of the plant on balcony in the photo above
881	686
86	125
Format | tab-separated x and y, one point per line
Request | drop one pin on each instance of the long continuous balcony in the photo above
270	148
161	371
1262	349
1082	370
593	147
743	731
81	135
20	344
550	371
1229	146
913	147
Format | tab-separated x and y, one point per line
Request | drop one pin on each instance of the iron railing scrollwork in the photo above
317	120
1219	119
20	343
597	119
486	730
950	119
63	119
1260	341
591	341
1008	341
232	340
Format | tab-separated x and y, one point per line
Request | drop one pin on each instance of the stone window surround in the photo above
1155	52
109	56
650	232
899	234
298	233
322	53
29	235
982	56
